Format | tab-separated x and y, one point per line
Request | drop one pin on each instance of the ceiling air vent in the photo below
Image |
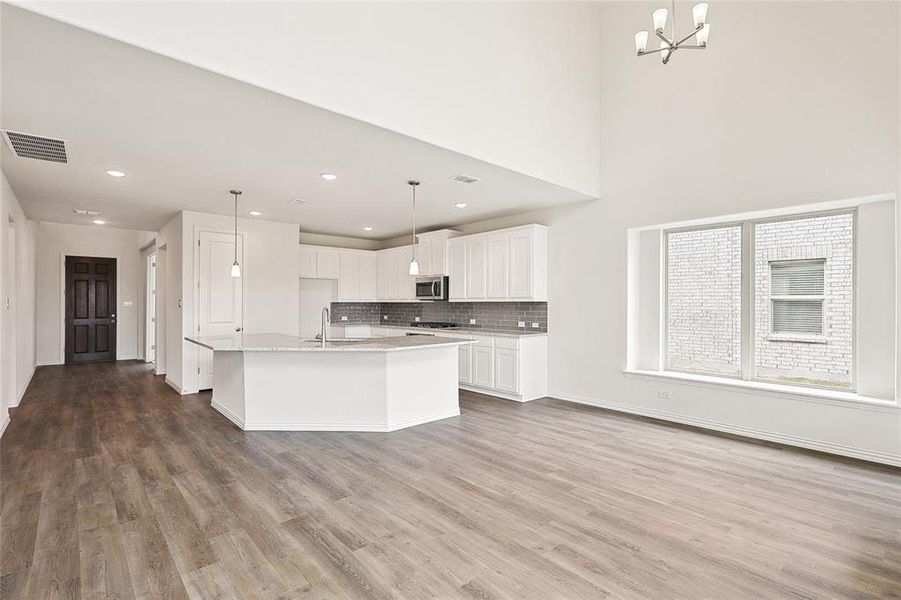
465	178
25	145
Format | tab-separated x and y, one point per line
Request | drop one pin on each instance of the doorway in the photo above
150	324
220	297
90	309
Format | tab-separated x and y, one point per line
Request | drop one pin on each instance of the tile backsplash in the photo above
490	315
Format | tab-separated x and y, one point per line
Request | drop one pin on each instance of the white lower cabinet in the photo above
506	370
509	367
465	371
482	366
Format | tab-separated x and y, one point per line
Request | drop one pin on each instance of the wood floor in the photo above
115	487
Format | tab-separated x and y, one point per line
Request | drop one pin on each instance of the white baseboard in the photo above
493	392
345	426
174	386
24	389
228	414
789	440
4	423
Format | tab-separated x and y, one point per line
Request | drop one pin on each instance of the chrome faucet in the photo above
323	334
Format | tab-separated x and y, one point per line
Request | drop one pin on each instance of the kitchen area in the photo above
378	348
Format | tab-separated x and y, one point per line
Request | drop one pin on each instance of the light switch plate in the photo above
128	304
416	319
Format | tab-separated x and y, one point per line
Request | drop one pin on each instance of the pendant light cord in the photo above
414	222
236	228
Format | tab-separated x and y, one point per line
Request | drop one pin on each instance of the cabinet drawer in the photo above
481	340
510	343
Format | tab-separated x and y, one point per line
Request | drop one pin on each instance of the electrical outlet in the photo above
343	317
384	317
128	304
416	319
536	325
664	395
521	324
472	321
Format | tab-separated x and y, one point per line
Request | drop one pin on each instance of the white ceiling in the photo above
185	136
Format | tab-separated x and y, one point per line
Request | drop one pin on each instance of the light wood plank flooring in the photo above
113	486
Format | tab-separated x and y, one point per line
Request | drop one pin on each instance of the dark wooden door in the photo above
90	309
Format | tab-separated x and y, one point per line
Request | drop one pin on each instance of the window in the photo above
797	277
703	298
796	295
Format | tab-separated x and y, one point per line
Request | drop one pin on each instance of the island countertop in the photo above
278	342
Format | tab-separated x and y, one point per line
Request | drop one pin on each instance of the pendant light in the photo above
236	268
414	265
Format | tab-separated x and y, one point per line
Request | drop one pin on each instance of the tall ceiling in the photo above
185	136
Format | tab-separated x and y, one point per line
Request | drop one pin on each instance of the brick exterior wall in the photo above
829	359
704	300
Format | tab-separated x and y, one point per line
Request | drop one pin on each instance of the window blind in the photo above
797	278
797	288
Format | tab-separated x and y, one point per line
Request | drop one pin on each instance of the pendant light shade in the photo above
236	268
414	264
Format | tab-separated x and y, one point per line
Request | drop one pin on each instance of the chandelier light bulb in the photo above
701	36
699	13
660	19
665	53
641	41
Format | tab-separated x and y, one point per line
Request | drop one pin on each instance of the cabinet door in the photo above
497	276
465	360
393	280
307	262
483	366
406	283
367	276
476	268
506	370
348	276
521	264
439	257
424	256
326	264
456	267
383	266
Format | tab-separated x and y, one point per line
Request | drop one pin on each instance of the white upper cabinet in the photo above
432	252
319	262
456	268
348	276
509	264
367	272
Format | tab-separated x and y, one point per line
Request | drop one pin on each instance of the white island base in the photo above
363	387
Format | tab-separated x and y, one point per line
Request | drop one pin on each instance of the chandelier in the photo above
668	45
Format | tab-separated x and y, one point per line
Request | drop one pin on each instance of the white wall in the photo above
270	279
760	122
513	83
17	282
55	241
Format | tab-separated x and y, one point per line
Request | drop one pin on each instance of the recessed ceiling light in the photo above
367	228
328	176
86	212
460	205
297	201
99	222
115	173
255	213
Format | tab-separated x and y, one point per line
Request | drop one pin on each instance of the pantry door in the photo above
220	297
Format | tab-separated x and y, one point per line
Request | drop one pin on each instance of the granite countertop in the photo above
278	342
473	330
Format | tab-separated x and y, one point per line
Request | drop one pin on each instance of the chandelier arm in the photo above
644	52
692	47
664	38
689	36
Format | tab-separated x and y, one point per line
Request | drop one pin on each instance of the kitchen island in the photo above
276	382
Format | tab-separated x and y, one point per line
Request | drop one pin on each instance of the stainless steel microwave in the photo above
432	288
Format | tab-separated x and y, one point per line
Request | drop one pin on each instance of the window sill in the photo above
804	339
796	392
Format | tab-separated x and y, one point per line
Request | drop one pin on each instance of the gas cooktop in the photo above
433	324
